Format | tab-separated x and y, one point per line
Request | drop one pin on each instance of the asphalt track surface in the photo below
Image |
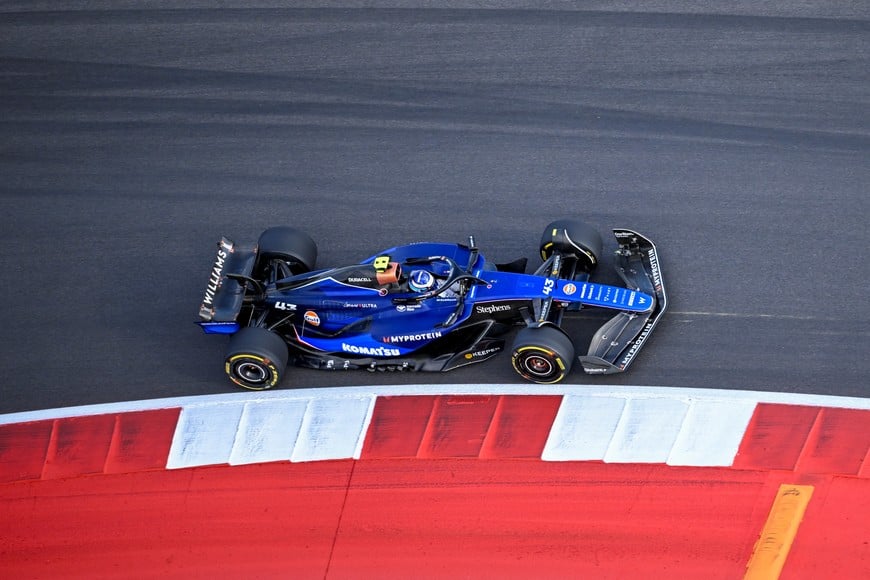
132	138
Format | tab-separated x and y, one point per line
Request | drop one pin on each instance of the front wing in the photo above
617	342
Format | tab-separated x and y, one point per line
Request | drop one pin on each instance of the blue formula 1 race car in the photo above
427	306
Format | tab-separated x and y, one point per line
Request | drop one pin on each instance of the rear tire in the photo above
542	354
573	237
293	247
256	358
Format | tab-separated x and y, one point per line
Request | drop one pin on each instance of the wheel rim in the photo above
538	365
251	372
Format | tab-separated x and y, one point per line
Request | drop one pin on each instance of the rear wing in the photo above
225	292
617	342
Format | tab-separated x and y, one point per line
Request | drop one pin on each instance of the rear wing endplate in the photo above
224	293
617	342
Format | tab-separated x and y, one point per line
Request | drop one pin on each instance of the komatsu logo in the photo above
372	351
412	337
492	308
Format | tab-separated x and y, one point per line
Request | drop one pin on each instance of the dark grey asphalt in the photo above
130	140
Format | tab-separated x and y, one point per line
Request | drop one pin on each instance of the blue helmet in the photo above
421	281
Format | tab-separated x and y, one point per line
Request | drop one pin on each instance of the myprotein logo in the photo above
638	342
492	308
411	337
654	266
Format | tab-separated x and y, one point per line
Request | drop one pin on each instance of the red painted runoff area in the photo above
834	539
432	518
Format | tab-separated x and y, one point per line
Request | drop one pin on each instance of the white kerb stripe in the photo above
647	431
204	435
583	428
268	431
333	428
711	433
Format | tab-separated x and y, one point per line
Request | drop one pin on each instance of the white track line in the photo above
687	395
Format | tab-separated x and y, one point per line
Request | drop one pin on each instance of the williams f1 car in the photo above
427	306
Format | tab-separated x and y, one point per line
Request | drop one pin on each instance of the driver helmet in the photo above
421	281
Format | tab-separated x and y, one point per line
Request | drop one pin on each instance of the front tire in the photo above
542	354
256	358
572	238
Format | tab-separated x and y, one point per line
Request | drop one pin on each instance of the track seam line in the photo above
340	518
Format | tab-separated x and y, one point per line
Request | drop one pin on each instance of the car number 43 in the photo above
549	284
284	306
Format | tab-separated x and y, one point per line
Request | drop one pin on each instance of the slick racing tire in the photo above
543	354
256	358
572	237
294	247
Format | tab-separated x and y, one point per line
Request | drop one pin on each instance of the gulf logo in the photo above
569	288
311	318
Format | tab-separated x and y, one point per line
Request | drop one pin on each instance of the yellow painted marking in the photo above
777	535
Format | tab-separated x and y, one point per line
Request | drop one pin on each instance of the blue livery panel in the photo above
507	286
604	296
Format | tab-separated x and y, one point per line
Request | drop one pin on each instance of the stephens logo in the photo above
311	318
491	308
411	337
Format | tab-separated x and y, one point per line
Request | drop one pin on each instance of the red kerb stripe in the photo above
509	426
775	437
78	446
817	440
397	427
521	427
838	442
141	440
23	447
